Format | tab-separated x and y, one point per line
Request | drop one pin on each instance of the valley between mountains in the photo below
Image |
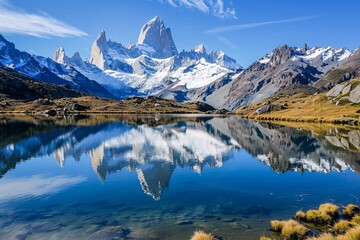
318	84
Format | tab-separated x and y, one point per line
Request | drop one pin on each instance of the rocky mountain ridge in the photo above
285	66
46	70
154	67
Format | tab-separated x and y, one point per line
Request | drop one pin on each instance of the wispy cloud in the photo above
227	42
215	7
231	28
18	22
17	188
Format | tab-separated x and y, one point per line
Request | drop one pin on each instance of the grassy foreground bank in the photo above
305	107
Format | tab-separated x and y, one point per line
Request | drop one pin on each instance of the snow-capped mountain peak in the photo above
325	54
151	67
76	59
153	64
101	39
155	35
200	48
60	56
99	47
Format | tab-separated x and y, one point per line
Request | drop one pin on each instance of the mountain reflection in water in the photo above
155	149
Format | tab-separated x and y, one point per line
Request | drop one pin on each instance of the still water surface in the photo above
164	177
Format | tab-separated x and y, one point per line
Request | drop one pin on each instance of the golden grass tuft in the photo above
356	219
342	226
318	217
265	238
327	213
351	210
201	235
324	236
330	209
300	215
326	219
276	225
290	229
351	234
294	230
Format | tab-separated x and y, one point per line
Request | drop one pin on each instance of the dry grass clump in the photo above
351	210
325	219
318	217
300	215
290	229
201	235
326	214
330	209
276	225
324	236
265	238
342	226
294	230
356	219
351	234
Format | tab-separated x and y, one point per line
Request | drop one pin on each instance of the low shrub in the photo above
342	226
351	234
330	209
290	229
265	238
351	210
324	236
356	219
300	215
276	225
318	217
201	235
294	230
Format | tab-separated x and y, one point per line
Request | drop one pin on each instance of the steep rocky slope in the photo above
14	85
47	70
284	67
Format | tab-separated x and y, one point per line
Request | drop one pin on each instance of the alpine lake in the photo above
165	176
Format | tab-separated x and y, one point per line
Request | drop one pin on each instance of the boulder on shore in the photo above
355	95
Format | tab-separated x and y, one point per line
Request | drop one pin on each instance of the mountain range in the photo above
154	66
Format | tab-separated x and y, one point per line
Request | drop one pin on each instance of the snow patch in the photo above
199	75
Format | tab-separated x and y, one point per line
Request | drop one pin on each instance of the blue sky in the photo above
245	30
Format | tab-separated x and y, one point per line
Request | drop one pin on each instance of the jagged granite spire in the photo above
155	35
282	54
200	48
60	56
99	46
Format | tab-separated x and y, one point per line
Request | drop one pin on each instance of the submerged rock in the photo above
256	210
184	222
110	233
